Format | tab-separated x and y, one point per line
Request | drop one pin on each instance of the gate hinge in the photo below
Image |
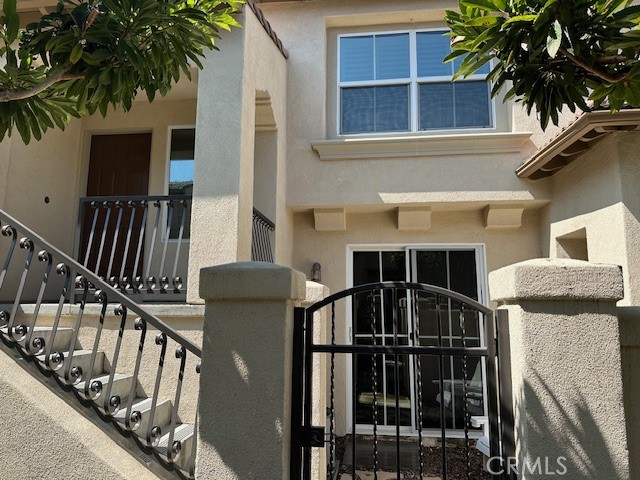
312	437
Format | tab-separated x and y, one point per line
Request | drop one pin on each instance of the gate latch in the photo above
312	437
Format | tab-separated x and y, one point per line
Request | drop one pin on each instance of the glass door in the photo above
456	270
385	318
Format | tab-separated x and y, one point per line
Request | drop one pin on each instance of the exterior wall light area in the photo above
316	272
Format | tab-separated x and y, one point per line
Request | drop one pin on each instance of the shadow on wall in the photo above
241	425
565	441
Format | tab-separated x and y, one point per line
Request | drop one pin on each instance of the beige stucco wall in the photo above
250	67
472	177
44	437
502	247
57	166
598	192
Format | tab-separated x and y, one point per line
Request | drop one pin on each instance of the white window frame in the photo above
413	82
483	298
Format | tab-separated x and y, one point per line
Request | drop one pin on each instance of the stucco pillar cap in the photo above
556	279
252	281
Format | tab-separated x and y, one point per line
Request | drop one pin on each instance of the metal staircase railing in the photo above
115	360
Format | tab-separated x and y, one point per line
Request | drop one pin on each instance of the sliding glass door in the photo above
425	318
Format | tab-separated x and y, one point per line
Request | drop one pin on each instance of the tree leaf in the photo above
554	40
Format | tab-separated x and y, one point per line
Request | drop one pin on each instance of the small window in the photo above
397	82
181	164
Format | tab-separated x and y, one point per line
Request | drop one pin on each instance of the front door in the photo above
118	166
453	268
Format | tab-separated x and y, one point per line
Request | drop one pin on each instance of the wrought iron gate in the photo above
415	378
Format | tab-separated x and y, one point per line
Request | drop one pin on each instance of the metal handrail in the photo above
55	350
100	284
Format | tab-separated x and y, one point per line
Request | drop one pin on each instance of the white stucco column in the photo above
245	379
566	368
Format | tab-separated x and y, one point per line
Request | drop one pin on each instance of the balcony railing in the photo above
263	228
138	245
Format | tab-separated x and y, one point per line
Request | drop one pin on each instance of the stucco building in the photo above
338	123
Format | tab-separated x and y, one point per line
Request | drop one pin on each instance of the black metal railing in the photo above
115	357
263	228
139	244
422	361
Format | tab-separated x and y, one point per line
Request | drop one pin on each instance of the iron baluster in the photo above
418	370
30	342
177	281
111	404
396	373
73	375
25	244
465	394
94	222
103	238
8	231
127	244
149	280
443	426
164	280
174	448
132	419
354	393
55	361
137	280
153	431
374	368
116	236
93	388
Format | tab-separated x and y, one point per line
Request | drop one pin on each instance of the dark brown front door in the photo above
118	166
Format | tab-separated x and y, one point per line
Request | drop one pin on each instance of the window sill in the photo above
419	146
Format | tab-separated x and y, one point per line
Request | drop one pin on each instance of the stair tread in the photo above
184	431
76	353
141	404
105	377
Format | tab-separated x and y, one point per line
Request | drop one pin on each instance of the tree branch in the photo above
58	74
585	66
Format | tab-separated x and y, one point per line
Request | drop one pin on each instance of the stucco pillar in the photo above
245	379
315	293
566	367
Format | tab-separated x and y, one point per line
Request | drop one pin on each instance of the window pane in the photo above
358	110
392	108
436	106
356	58
375	109
472	104
392	56
432	47
181	166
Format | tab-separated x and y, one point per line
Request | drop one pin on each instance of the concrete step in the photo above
82	359
143	405
185	432
121	386
61	342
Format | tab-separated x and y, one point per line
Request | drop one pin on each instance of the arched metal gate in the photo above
421	361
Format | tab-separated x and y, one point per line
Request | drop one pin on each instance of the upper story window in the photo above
397	82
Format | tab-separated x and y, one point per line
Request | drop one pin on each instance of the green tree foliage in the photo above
553	54
89	55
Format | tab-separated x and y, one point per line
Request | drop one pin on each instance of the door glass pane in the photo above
392	56
356	58
181	173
